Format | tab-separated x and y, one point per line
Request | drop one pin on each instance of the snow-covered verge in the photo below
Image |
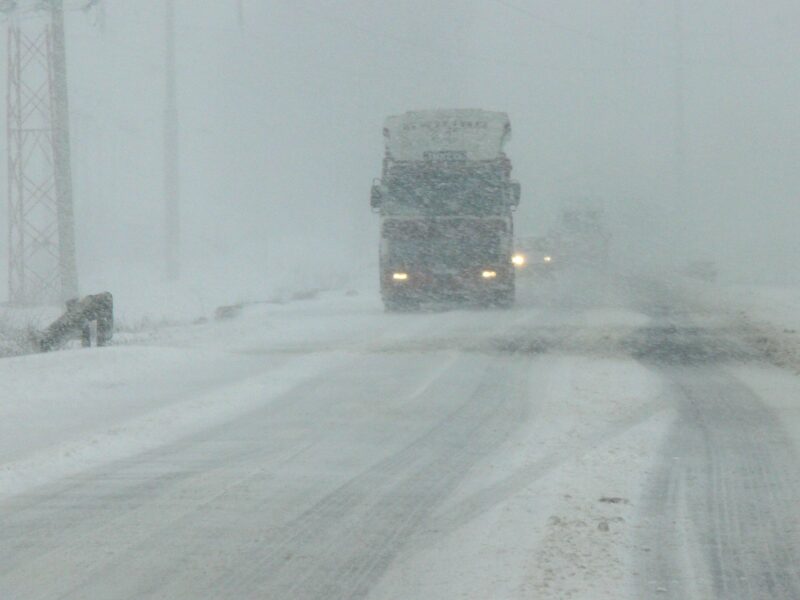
144	309
65	412
13	340
17	327
70	413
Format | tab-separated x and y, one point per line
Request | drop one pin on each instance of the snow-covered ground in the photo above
67	411
770	315
70	410
322	448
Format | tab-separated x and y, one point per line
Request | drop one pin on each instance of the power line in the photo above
666	62
669	60
10	7
554	24
587	35
467	57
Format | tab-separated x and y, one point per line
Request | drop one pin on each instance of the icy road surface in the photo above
617	442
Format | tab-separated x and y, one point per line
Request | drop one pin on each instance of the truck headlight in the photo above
489	274
548	259
400	276
518	260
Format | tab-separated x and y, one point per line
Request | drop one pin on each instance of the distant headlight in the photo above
548	259
518	260
400	276
489	274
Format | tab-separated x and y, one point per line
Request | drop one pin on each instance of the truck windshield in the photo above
449	189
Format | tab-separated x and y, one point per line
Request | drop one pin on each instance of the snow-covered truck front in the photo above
446	199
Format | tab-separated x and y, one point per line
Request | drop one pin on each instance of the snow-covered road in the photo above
622	442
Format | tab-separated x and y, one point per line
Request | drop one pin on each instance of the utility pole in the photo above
680	154
62	156
171	153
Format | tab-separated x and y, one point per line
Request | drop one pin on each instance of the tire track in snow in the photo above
484	500
180	480
721	512
341	546
720	516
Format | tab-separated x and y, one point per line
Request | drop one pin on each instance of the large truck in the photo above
580	238
445	200
534	257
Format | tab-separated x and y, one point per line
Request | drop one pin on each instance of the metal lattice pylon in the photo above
34	253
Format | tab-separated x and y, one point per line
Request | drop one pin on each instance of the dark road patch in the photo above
691	345
666	344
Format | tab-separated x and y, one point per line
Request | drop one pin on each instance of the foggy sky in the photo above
281	127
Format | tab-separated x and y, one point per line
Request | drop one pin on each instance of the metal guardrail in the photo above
76	323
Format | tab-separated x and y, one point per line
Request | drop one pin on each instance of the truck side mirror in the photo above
514	192
376	196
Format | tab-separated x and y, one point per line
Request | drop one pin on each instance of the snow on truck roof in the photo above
470	134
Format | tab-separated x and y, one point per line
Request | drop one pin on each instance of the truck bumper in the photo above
426	287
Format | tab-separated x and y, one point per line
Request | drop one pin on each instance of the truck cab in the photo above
446	200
